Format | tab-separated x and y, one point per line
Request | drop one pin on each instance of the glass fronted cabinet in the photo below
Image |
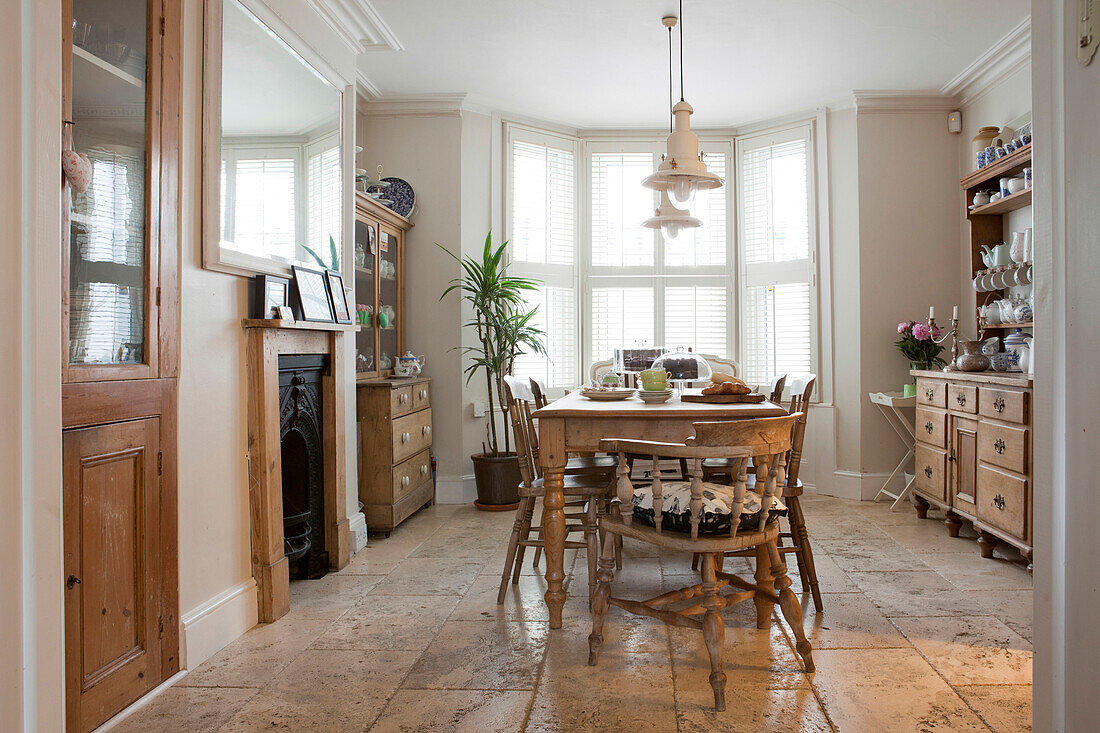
379	287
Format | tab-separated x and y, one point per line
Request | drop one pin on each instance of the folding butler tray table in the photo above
891	404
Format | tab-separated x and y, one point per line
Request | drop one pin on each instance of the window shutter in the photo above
324	200
704	246
557	318
619	206
697	318
620	317
264	207
543	221
777	334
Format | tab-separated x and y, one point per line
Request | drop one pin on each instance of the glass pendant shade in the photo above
682	192
670	220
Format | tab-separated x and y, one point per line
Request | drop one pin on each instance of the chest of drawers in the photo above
974	456
395	440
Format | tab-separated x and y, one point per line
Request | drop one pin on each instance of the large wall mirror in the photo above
272	166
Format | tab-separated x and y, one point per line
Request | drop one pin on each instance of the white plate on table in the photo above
607	395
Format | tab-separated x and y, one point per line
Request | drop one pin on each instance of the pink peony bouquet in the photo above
917	345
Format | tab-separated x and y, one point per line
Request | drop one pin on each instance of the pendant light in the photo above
682	171
671	220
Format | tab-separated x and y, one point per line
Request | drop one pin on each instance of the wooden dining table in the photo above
576	424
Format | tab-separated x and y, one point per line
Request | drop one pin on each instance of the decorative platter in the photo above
724	398
607	395
401	194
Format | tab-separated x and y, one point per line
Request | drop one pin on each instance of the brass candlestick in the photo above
953	334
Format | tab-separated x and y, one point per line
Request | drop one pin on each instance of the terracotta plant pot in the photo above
497	479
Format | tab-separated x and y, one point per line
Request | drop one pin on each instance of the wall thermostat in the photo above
955	122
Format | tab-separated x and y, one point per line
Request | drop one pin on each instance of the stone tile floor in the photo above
918	634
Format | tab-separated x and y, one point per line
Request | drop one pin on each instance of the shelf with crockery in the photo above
1010	164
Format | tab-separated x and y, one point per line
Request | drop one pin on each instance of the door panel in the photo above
112	597
964	462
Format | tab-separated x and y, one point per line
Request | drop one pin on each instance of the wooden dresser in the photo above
395	440
973	454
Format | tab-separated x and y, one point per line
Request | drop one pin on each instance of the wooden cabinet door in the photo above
112	566
963	457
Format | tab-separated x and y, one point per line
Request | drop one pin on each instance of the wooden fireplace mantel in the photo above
265	344
297	325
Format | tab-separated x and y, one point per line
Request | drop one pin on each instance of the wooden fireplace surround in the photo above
267	340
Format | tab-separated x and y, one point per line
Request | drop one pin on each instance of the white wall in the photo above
1067	193
31	650
217	592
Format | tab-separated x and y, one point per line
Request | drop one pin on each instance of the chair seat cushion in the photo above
716	510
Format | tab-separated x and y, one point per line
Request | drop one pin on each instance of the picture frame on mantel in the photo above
341	309
311	287
269	293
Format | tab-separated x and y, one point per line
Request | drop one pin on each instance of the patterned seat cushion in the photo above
717	506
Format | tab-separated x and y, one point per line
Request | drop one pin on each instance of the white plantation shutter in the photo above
323	185
777	248
697	318
620	317
619	206
704	246
259	192
542	234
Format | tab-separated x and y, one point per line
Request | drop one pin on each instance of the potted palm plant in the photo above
502	320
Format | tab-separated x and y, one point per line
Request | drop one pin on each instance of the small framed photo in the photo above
286	313
313	298
270	292
340	307
370	239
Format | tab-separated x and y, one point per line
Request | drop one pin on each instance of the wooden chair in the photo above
802	389
766	441
538	389
778	382
586	492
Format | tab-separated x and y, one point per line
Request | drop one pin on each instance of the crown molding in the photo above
414	105
358	24
900	100
364	87
1003	58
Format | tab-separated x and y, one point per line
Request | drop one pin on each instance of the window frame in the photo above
784	272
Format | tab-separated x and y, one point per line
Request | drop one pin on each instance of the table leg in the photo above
552	456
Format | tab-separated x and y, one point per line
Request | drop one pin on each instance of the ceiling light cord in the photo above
670	92
681	50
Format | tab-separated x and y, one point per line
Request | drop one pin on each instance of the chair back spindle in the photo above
520	415
802	389
779	381
658	497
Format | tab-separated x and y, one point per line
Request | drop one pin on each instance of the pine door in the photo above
112	566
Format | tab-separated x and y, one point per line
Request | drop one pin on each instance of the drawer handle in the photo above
999	502
928	426
423	394
999	404
426	429
961	399
423	470
999	446
930	392
405	437
928	471
404	480
403	398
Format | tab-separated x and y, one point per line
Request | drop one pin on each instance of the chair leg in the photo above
538	556
714	631
618	552
591	549
601	597
806	569
763	579
513	545
789	605
525	532
695	561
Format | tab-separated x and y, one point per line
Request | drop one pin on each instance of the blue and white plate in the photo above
401	194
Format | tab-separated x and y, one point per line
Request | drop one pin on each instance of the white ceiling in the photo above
604	63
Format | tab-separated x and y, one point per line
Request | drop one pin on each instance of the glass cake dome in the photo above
683	365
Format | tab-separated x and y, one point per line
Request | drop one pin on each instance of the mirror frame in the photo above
213	256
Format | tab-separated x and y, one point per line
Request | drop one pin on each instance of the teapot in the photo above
408	365
1007	308
990	314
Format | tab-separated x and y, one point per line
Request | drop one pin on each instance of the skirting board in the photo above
455	490
357	528
859	486
213	624
141	702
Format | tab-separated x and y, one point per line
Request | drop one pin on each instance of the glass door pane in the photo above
366	248
388	306
108	248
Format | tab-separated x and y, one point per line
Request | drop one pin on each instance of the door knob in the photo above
71	581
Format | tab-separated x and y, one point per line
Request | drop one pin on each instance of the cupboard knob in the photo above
960	398
929	427
405	437
930	392
928	471
999	404
423	394
426	429
403	399
404	480
999	446
999	502
423	470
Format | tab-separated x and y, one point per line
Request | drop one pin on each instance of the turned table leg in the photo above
953	523
986	543
921	506
552	456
